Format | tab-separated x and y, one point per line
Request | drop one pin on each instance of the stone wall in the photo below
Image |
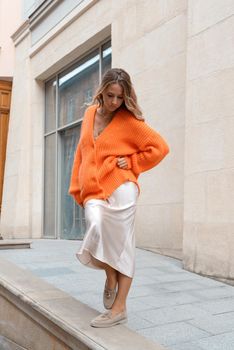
209	142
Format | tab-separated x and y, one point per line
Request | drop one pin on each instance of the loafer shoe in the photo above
109	296
107	320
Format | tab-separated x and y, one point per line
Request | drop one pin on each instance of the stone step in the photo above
14	244
7	344
39	316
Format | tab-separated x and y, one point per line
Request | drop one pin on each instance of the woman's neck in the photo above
105	114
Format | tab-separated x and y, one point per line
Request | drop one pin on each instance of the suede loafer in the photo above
107	320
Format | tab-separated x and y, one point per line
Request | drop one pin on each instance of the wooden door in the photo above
5	100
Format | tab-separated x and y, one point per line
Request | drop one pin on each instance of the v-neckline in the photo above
107	127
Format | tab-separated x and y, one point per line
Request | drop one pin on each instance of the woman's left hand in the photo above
122	162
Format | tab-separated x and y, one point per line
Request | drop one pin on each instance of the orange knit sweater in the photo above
95	173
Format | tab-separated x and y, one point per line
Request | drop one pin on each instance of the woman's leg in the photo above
124	284
111	273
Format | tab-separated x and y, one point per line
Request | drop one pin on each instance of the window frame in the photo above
58	139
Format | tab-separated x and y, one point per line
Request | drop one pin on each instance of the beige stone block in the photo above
37	224
204	14
206	248
159	226
195	196
10	188
164	183
37	166
37	192
209	146
131	58
231	257
165	42
12	164
37	128
118	7
211	50
210	97
37	93
162	98
23	330
126	26
152	14
137	19
153	50
189	245
220	197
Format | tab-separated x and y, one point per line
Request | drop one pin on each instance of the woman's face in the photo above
112	97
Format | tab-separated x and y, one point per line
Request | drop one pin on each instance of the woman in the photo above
115	146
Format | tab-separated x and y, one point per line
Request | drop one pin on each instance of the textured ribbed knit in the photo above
95	174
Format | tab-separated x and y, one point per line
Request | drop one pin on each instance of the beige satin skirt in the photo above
109	233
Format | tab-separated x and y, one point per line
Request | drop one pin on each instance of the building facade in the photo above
7	28
180	56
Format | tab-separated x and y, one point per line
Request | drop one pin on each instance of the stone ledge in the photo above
7	344
14	244
41	312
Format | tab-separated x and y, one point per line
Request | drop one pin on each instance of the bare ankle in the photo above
118	307
111	282
117	310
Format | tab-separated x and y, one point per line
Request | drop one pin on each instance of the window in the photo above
67	97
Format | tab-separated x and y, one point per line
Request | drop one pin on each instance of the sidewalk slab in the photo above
166	304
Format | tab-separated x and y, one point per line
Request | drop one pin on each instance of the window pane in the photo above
50	98
67	96
77	87
72	215
106	57
50	186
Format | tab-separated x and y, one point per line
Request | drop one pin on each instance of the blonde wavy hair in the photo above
121	77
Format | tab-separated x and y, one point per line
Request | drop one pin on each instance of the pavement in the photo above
166	304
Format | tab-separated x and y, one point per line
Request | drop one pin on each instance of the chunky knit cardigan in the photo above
95	173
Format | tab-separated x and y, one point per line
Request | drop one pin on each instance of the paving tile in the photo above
135	322
52	271
181	285
214	292
136	305
172	314
140	280
186	346
175	276
218	342
145	290
215	324
169	268
209	282
173	333
166	299
217	306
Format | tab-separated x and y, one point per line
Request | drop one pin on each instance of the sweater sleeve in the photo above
74	188
151	151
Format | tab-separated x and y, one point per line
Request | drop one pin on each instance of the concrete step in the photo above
14	244
39	316
7	344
